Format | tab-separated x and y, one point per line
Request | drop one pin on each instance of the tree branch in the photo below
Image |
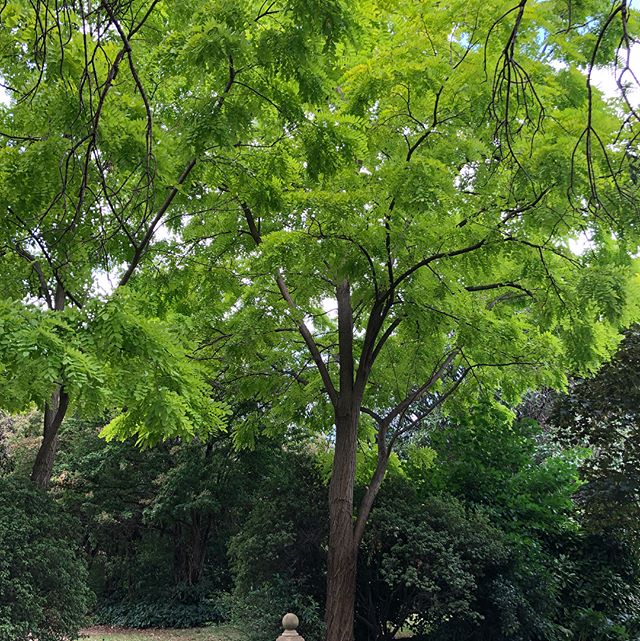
146	239
301	325
33	261
438	372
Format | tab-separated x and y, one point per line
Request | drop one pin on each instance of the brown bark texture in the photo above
54	413
343	548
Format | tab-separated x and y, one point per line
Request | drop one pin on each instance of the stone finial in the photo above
290	623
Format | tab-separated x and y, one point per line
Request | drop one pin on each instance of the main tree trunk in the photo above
343	549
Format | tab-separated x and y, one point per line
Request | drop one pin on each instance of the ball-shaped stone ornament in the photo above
290	621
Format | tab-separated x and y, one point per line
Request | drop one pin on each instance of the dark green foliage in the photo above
601	594
482	542
473	537
43	593
563	581
425	561
603	414
487	544
259	612
278	556
164	613
156	523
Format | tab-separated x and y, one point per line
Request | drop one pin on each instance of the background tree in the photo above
156	523
112	110
601	413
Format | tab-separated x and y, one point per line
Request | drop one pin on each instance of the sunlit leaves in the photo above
111	360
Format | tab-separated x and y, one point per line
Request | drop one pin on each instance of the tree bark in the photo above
343	548
54	413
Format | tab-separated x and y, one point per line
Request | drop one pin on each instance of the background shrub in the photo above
43	591
166	613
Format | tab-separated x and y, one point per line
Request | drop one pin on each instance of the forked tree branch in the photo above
301	325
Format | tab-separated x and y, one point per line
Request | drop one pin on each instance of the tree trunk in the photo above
54	413
343	548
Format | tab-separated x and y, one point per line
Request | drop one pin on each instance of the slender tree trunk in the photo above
54	413
343	548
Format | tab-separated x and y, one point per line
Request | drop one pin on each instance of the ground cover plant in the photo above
197	634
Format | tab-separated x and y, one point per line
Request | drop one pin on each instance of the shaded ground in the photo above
217	633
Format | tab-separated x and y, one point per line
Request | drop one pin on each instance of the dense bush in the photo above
564	580
166	613
423	564
278	555
43	593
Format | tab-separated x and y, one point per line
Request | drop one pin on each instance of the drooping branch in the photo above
142	246
440	370
513	89
136	78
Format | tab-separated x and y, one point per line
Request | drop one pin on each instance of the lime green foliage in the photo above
413	182
487	459
386	143
43	592
113	114
108	356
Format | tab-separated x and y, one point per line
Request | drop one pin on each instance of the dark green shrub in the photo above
278	555
43	593
169	613
423	564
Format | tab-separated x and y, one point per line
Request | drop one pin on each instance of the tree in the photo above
112	108
112	359
421	167
155	523
601	413
410	239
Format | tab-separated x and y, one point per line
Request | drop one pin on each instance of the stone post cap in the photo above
290	623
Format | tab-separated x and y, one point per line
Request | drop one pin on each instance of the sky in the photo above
605	78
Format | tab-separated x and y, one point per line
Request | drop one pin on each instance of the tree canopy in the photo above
341	214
